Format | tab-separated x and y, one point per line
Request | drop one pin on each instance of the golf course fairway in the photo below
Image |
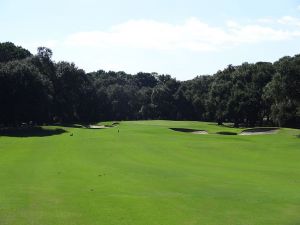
144	173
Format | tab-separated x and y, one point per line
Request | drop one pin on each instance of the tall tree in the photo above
9	52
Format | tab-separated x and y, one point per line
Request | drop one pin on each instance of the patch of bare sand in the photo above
97	127
199	132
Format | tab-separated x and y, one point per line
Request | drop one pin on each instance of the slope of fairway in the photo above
148	174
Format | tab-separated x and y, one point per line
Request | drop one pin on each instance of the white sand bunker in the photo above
97	127
192	131
200	132
114	124
260	131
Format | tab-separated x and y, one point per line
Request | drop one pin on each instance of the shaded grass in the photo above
185	130
226	133
261	129
30	132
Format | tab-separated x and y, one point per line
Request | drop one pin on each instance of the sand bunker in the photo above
192	131
259	131
102	126
253	131
97	127
200	132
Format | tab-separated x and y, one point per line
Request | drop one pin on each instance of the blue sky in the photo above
183	38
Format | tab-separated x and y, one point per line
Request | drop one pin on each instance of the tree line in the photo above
35	89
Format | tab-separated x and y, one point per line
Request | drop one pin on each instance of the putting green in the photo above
148	174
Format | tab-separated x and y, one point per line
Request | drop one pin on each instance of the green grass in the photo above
150	175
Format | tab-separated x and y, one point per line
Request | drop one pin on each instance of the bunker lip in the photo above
259	131
187	130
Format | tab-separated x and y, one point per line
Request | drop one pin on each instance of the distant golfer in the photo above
118	131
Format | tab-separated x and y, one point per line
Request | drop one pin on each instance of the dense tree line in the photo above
35	89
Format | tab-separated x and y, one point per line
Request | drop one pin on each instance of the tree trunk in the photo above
220	122
236	124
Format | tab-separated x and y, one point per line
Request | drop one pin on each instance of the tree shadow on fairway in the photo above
261	129
226	133
30	132
228	125
187	130
69	125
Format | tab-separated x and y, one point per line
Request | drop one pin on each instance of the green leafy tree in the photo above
9	52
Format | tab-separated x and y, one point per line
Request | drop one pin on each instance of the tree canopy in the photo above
36	89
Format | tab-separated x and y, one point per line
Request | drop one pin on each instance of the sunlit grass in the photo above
148	174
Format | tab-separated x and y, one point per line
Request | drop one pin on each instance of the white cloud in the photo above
149	34
298	7
266	20
193	35
289	20
232	24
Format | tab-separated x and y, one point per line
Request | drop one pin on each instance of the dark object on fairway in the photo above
92	190
260	130
226	133
70	125
71	134
187	130
118	131
30	131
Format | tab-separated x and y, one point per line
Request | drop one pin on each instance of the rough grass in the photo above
148	174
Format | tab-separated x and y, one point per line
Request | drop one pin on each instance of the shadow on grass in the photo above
186	130
229	125
30	132
260	129
226	133
69	125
